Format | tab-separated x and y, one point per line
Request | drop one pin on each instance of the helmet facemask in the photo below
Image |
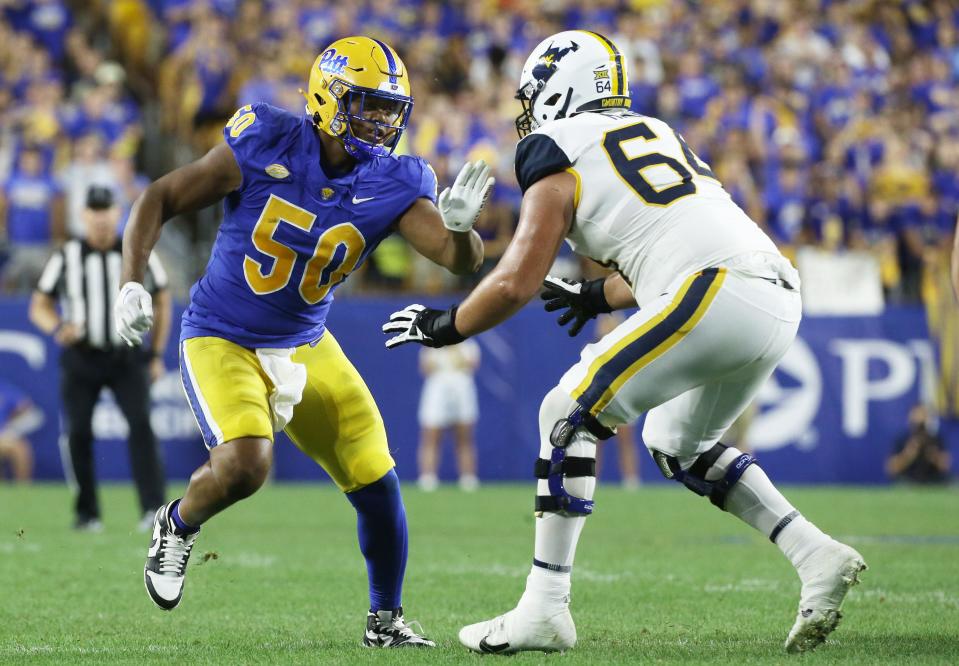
525	123
369	122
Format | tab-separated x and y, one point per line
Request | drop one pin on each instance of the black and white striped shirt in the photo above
86	281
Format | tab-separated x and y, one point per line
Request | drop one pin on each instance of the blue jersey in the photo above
290	234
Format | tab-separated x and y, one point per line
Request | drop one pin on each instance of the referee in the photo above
84	277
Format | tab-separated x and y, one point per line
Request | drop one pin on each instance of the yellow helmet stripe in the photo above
615	57
390	60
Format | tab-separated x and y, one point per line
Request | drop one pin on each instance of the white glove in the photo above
461	205
133	313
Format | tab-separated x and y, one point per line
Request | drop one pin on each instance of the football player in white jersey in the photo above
719	306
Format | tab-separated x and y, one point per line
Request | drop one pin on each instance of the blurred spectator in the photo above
785	205
920	455
47	21
448	403
18	418
31	220
88	167
129	185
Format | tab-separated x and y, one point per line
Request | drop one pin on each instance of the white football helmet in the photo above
571	72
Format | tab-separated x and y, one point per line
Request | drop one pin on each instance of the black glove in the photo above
429	327
584	300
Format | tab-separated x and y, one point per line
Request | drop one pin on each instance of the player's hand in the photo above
461	204
583	300
428	327
133	313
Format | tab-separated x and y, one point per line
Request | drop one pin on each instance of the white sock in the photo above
545	589
799	539
556	536
756	501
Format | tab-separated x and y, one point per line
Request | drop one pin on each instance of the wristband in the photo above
595	294
444	329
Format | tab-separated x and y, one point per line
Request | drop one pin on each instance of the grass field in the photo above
661	576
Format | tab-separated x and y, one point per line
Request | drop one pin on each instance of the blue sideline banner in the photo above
830	414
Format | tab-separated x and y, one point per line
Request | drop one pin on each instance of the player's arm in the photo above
618	293
460	252
189	188
184	190
444	234
545	217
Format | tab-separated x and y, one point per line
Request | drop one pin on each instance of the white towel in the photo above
289	380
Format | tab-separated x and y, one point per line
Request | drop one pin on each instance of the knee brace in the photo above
578	424
708	475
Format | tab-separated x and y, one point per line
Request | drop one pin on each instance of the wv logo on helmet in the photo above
332	63
552	55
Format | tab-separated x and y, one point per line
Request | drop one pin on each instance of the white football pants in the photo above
695	357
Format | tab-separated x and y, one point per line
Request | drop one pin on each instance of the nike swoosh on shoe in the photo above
492	649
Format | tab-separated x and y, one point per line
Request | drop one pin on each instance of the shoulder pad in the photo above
412	170
537	156
259	127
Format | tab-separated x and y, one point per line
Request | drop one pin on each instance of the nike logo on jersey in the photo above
357	200
492	649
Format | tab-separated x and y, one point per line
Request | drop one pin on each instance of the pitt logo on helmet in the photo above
332	63
359	92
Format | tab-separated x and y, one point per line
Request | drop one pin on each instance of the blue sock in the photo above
180	526
381	524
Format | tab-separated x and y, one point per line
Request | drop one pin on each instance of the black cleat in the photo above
166	562
388	629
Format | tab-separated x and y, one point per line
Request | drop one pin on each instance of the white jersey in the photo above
645	204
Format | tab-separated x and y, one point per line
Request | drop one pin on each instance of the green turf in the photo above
661	576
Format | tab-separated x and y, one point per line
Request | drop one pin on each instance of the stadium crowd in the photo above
833	123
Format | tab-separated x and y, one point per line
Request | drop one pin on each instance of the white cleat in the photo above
165	568
518	631
827	576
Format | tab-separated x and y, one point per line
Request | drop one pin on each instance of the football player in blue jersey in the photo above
306	199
